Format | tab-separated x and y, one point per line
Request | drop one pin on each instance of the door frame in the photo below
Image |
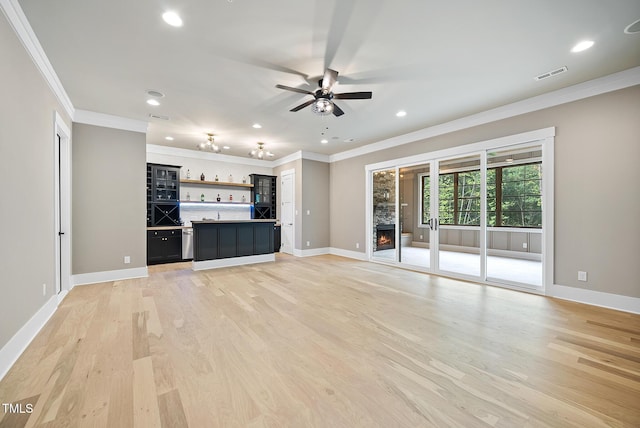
292	173
544	137
62	205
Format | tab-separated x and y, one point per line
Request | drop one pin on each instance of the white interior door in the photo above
62	191
287	207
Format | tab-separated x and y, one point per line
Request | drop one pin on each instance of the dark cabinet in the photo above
164	246
163	191
263	196
277	238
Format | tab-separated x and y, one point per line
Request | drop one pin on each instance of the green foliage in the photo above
459	194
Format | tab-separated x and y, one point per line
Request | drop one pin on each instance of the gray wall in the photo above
109	199
315	199
596	203
27	256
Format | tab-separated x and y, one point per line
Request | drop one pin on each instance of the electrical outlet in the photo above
127	260
357	245
582	276
308	244
44	289
524	245
308	212
421	237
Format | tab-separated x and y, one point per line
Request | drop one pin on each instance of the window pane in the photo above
426	199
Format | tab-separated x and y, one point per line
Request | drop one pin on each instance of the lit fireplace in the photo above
385	236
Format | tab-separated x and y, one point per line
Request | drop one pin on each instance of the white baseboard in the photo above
311	252
419	244
233	261
107	276
596	298
348	253
10	352
522	255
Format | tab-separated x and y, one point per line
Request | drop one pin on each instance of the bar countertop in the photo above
213	221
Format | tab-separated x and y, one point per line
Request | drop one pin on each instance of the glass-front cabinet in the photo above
263	196
165	183
163	190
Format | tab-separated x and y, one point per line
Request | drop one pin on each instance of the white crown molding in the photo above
23	30
316	157
10	352
612	82
107	276
109	121
197	154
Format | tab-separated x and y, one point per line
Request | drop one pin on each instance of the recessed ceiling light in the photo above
257	125
168	138
226	147
401	113
172	19
324	141
582	46
153	102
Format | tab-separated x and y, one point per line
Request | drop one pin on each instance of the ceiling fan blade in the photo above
329	79
289	88
354	96
337	111
303	105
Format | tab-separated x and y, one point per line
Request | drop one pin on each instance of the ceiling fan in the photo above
322	102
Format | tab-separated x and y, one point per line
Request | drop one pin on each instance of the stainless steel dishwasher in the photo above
187	243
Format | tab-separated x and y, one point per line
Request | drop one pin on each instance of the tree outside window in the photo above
514	197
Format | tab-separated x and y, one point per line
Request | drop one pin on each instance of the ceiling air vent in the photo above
551	73
157	116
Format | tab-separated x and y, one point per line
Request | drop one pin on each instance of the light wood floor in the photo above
328	342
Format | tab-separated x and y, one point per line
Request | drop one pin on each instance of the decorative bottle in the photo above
218	198
230	178
244	199
188	174
202	177
216	179
188	196
244	180
202	197
231	197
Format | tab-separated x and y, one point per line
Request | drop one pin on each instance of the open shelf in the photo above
216	183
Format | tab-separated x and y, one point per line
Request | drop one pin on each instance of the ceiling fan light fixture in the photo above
322	107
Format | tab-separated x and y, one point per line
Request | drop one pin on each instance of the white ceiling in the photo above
437	60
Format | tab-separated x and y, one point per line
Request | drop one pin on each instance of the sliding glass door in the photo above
415	216
514	215
458	191
478	214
